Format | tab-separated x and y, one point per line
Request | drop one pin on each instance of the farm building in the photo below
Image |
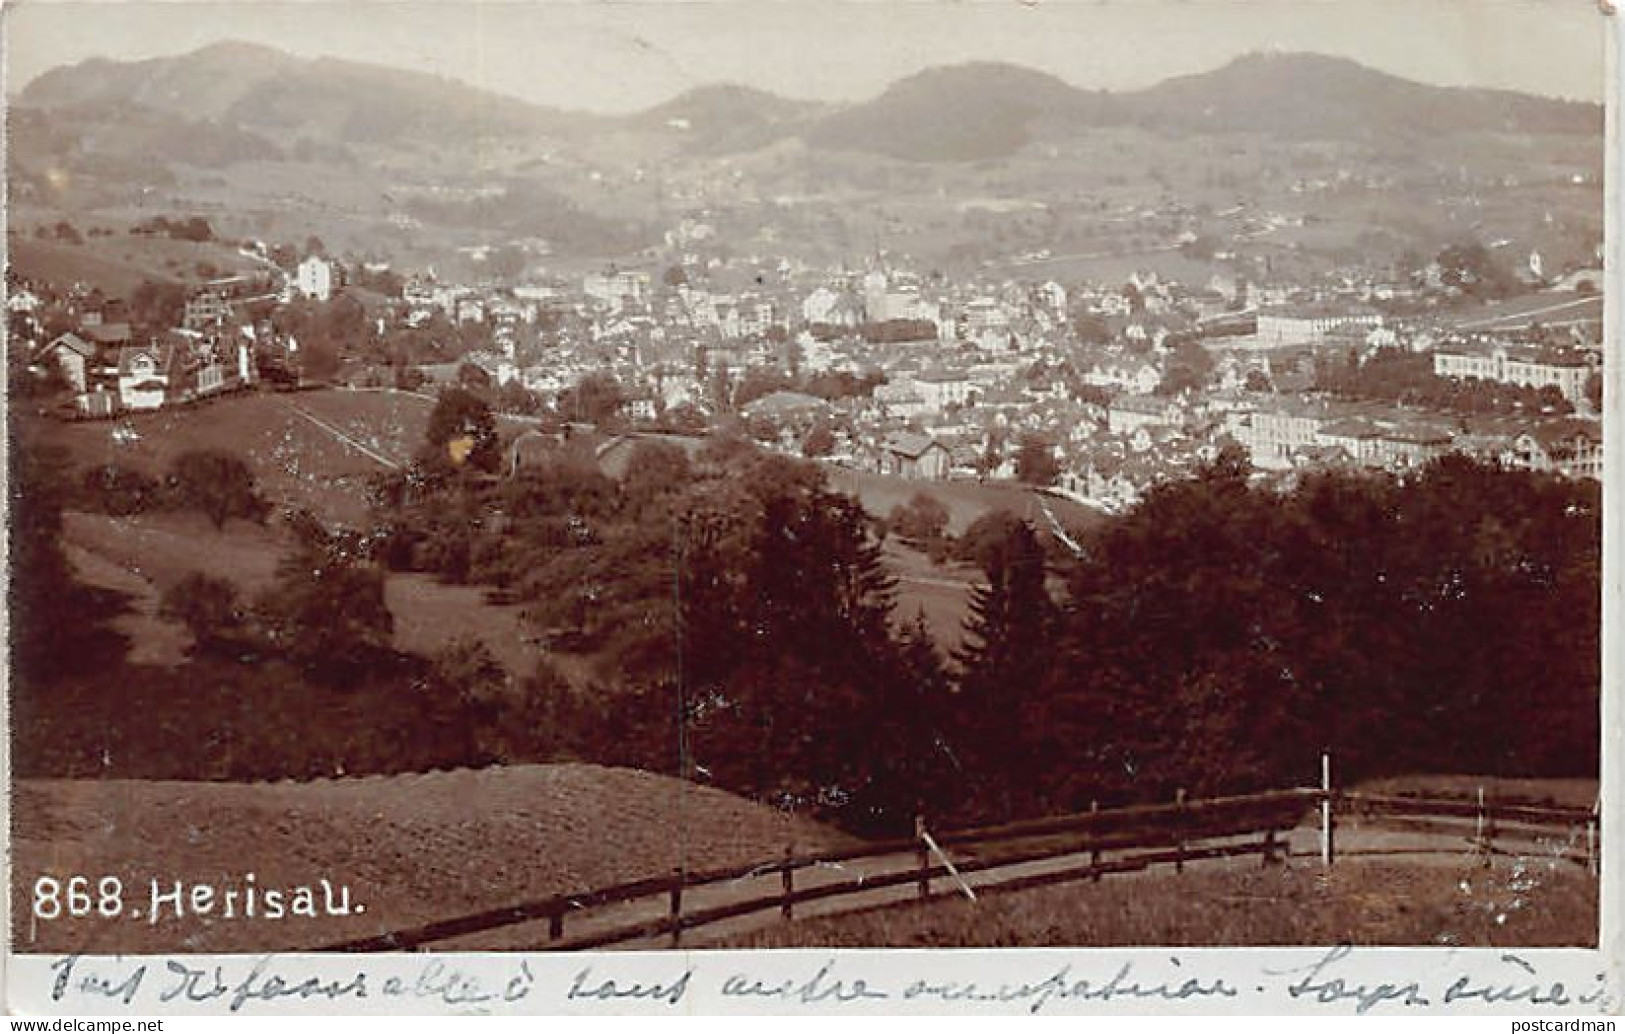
917	456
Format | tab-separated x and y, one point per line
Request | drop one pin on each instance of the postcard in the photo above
826	506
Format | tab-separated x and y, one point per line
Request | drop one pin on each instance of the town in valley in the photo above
578	525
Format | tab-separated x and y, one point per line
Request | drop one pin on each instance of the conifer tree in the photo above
1004	660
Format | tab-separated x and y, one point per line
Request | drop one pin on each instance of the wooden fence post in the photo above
785	910
555	922
924	855
1486	831
1269	847
1179	829
677	908
1327	850
1094	852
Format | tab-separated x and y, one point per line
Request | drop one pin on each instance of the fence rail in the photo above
1377	804
1137	837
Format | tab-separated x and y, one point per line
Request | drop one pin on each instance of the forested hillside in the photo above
737	618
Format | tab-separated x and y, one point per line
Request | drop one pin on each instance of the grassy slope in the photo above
965	500
412	848
299	463
295	462
939	592
1531	903
65	264
164	547
118	264
144	555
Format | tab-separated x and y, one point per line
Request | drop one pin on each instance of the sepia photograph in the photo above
565	477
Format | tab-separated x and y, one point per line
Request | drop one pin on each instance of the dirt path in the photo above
426	848
1356	843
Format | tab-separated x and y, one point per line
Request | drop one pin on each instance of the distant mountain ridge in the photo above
1307	94
266	91
966	112
960	113
729	117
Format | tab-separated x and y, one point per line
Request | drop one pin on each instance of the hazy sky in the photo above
623	56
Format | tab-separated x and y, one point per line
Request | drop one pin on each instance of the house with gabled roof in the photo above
1128	413
940	387
71	354
1569	447
1359	440
22	300
144	376
1410	444
1324	456
787	405
916	456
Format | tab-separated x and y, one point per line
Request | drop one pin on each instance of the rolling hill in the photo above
724	119
966	112
266	91
1313	96
282	145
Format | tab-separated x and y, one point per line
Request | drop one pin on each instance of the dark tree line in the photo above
736	612
1219	636
214	482
1214	639
737	626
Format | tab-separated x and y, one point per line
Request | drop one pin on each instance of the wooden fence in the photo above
1484	826
1068	848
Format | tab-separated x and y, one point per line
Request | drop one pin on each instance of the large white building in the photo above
1524	367
314	278
942	388
1306	325
1271	433
616	289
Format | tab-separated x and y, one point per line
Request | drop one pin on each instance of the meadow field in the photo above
143	555
119	263
965	500
1535	903
318	450
412	848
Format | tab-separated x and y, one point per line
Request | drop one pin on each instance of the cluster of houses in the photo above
108	370
966	371
109	366
1283	433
